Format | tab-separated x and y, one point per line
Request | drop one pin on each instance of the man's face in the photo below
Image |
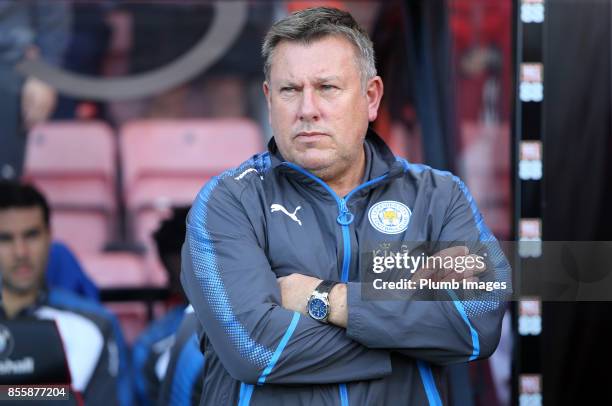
318	109
24	248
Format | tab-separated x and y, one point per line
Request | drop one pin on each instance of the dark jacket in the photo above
239	241
93	343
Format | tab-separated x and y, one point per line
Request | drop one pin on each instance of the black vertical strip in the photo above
528	202
530	121
427	23
516	130
532	44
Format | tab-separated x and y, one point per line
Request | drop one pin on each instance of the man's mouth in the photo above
23	271
310	135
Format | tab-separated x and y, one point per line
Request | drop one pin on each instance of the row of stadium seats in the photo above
89	174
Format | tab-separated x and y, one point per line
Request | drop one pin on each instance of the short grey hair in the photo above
306	26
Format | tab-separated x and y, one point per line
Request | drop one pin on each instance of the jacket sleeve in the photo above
229	282
439	331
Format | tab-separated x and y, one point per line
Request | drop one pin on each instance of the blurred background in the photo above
147	100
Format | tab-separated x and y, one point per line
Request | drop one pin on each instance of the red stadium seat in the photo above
120	270
166	162
73	164
115	270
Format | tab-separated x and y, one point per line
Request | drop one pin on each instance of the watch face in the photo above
317	309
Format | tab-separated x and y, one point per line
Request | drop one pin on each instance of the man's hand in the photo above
38	100
296	290
470	273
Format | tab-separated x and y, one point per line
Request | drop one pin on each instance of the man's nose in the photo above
309	110
21	248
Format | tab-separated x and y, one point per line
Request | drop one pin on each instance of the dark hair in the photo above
18	195
306	26
170	235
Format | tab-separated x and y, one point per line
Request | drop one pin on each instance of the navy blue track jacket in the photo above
270	218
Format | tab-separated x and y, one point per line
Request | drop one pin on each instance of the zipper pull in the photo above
345	217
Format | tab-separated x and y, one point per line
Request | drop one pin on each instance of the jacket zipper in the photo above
344	219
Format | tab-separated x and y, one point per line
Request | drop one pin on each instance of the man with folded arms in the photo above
274	247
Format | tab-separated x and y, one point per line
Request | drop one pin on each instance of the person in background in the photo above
96	352
183	381
150	353
29	29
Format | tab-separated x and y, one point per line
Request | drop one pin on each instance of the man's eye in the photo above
33	234
287	89
328	87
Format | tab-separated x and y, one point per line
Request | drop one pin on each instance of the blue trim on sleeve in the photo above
343	394
473	332
246	391
484	235
433	397
280	348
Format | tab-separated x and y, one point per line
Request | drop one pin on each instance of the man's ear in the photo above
268	94
374	93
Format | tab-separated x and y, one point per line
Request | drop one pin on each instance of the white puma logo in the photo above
292	216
